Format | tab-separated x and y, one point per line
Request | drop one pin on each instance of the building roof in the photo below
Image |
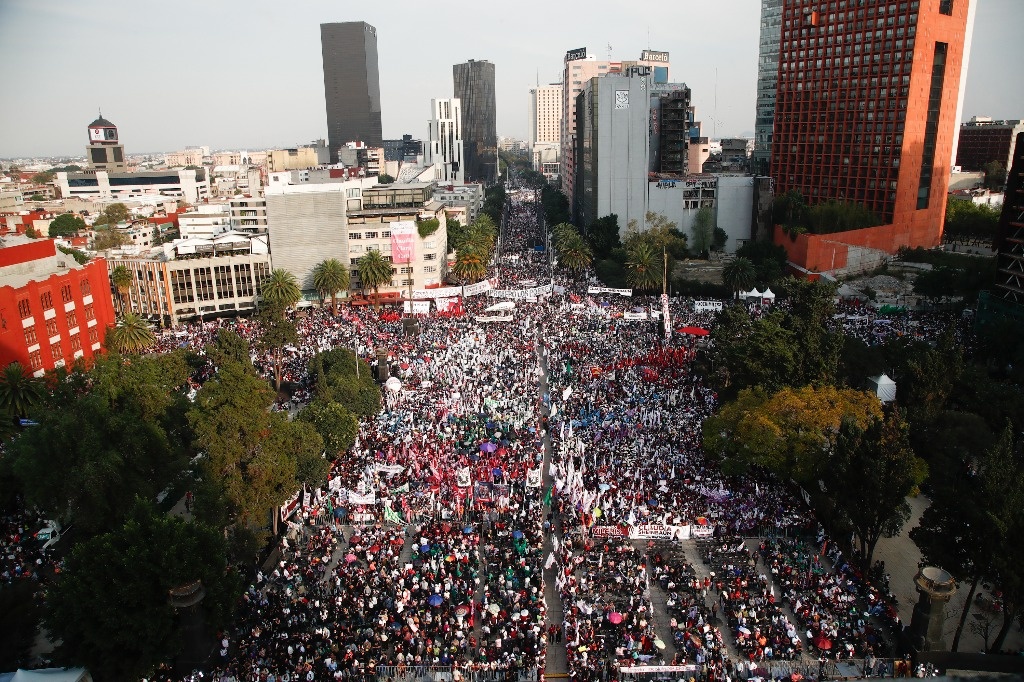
101	123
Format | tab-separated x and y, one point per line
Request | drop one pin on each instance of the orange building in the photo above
52	310
866	111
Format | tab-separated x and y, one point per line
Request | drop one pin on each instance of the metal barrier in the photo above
851	668
447	673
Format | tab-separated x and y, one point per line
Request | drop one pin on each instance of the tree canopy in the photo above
66	225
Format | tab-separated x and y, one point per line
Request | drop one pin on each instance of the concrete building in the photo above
468	197
196	278
730	197
983	140
545	122
189	185
240	178
406	150
474	88
53	311
105	152
767	81
444	141
351	84
204	221
612	150
871	116
189	156
297	158
671	128
248	214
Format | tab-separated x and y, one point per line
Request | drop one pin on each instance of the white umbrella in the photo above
393	384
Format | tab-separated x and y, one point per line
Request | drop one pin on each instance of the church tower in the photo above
104	152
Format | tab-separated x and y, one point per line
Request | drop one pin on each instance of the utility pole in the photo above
355	349
664	272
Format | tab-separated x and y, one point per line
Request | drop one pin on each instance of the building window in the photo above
94	335
430	256
243	279
371	235
355	235
76	342
65	293
56	352
430	268
946	7
385	234
35	359
90	314
30	336
86	287
72	319
24	309
46	300
51	328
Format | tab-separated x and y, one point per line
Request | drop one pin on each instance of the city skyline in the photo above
206	76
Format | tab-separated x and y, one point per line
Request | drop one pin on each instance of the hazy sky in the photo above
246	74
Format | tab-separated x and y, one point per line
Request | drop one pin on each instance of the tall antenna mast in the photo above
609	51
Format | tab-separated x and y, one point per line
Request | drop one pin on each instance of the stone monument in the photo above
936	587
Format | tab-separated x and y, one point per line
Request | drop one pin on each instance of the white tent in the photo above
52	675
753	293
883	387
768	294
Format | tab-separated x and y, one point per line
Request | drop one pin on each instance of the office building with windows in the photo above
545	123
983	141
767	80
474	88
866	109
351	84
444	141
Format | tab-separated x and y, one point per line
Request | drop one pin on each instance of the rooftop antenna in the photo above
648	36
538	78
609	51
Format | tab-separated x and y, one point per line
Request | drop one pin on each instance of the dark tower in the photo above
351	84
474	85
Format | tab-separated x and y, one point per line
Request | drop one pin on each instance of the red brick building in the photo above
52	310
866	112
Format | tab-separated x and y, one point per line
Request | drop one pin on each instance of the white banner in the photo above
607	290
643	669
440	292
520	294
478	288
494	318
701	306
444	303
289	507
654	532
533	478
389	469
358	498
699	531
566	393
634	316
418	307
463	478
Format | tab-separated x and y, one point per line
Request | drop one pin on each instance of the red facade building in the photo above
52	310
866	112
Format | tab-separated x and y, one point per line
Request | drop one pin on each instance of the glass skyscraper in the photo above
351	84
474	86
767	78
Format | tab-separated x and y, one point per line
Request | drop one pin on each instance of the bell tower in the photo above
105	152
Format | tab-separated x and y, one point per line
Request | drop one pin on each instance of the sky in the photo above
247	74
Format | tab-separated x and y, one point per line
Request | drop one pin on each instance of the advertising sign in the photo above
653	56
402	241
578	53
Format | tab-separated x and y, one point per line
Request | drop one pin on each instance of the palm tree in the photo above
19	390
644	267
330	277
374	272
121	279
471	263
280	289
131	336
574	253
739	275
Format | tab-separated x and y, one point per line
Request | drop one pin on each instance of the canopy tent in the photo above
753	293
769	294
883	387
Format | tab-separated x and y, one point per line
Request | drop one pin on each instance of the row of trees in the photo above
796	216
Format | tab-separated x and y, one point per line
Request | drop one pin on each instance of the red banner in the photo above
402	241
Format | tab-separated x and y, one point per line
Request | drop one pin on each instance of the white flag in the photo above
463	479
533	478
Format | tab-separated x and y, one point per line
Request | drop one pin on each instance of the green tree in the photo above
278	332
769	260
66	225
253	467
425	228
113	214
43	178
788	211
745	353
385	179
870	474
18	627
19	390
644	267
556	206
494	202
470	264
80	256
108	238
818	342
280	290
790	432
703	231
995	175
603	235
108	608
131	335
374	272
121	279
330	277
719	239
573	251
229	346
739	275
336	425
32	233
336	380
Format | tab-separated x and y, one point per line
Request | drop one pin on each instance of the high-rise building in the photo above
612	149
767	78
866	108
671	126
105	152
579	69
983	140
1009	241
444	141
474	87
545	121
351	84
406	150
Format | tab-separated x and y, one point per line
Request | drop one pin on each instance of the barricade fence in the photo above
447	673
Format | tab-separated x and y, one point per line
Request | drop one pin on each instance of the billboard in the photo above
653	56
578	53
403	241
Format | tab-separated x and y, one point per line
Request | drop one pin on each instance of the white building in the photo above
545	120
444	141
468	197
190	185
204	221
730	197
249	214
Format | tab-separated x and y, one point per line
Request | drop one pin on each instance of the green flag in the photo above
547	496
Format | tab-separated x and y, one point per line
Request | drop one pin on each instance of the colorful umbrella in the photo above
436	600
349	558
615	617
